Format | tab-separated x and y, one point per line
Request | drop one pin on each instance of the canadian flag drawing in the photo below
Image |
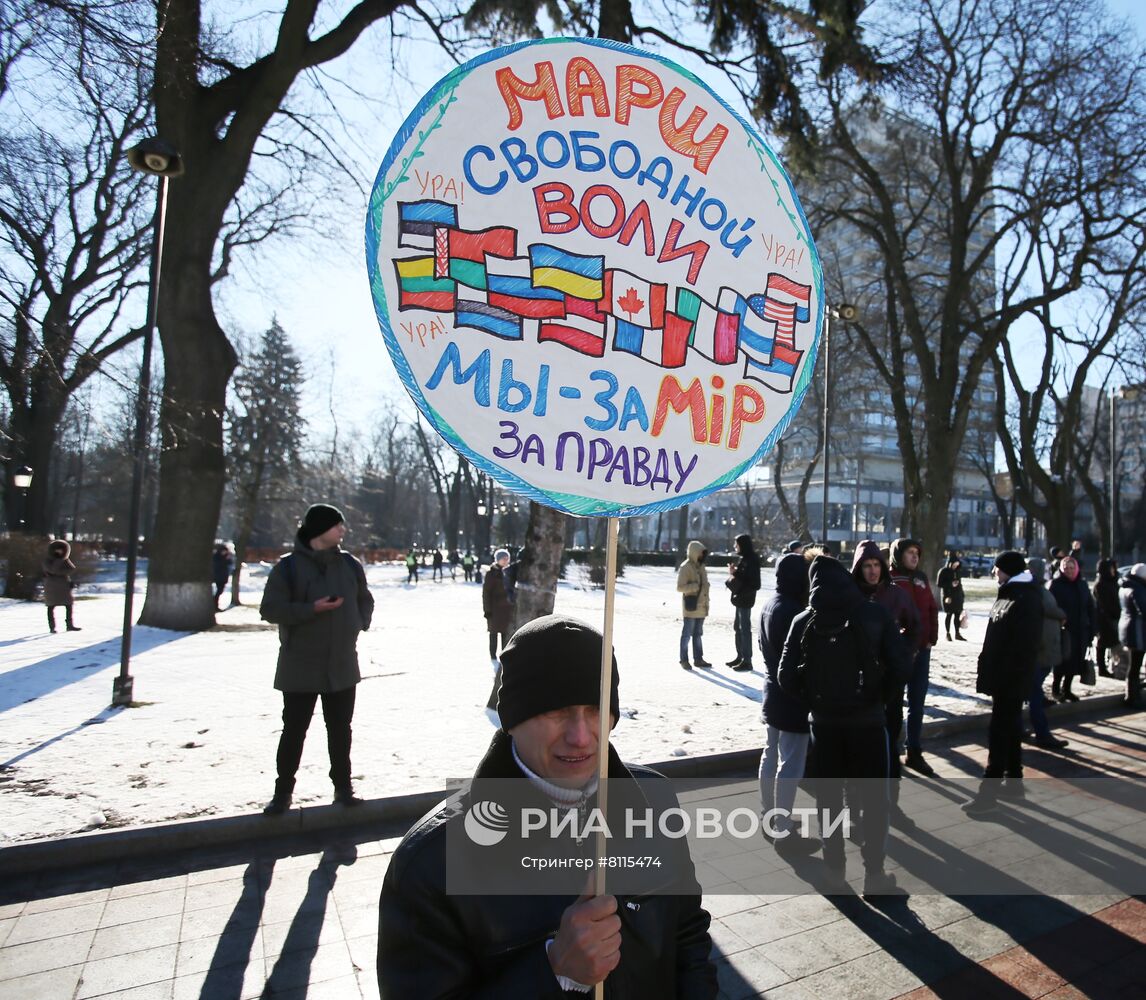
633	299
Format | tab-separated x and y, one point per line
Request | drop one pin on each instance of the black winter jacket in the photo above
317	651
1011	646
434	945
745	579
835	599
780	709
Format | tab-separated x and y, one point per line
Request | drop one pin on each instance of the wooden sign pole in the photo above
605	721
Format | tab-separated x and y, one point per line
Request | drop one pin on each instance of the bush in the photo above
23	556
598	564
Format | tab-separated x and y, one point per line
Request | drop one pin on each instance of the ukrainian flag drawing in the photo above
578	275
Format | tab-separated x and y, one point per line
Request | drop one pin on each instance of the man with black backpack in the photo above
842	657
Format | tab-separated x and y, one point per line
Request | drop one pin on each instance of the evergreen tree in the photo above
265	433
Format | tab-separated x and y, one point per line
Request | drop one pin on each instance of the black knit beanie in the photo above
1012	563
550	663
319	518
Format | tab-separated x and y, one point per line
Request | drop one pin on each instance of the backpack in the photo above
839	672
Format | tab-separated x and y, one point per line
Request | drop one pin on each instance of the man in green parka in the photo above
318	597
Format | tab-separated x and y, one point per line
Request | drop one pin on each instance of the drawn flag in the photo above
418	219
480	315
665	347
714	330
785	303
780	372
633	299
575	274
509	286
419	289
753	339
581	330
460	253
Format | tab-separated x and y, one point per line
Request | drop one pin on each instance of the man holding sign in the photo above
436	943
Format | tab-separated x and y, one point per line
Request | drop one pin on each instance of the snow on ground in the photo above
202	739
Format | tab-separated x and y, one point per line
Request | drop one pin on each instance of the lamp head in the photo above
22	477
846	311
154	156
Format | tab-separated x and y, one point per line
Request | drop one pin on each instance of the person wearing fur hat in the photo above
1132	629
501	935
58	568
318	597
1006	671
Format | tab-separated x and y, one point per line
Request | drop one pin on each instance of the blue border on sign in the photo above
441	94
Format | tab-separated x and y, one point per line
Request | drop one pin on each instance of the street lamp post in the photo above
843	312
1127	393
22	480
156	157
1113	469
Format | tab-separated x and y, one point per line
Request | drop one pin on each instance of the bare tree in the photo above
1014	112
72	221
767	50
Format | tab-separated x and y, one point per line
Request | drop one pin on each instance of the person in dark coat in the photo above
1049	657
1073	596
58	568
434	942
495	602
743	582
222	566
319	599
871	572
1006	671
1132	629
1106	612
785	718
949	581
850	742
908	577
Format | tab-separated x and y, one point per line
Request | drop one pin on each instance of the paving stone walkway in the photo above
297	918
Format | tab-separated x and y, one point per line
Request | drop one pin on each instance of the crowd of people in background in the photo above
843	651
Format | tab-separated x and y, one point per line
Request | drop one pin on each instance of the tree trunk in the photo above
33	432
198	361
539	564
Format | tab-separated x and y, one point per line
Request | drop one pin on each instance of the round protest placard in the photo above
593	277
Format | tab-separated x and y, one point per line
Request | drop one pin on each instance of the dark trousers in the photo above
1005	738
1038	705
843	752
52	616
337	711
893	717
742	630
493	638
1134	677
